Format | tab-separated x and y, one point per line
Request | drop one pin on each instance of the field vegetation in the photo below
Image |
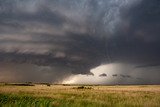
79	96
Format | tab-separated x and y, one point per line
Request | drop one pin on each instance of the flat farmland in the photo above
80	96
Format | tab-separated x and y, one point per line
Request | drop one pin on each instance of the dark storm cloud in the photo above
125	76
148	65
115	75
14	18
137	37
103	75
13	72
79	35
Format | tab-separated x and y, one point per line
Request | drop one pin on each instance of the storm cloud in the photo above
61	37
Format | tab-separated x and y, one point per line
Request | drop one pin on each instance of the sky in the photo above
80	41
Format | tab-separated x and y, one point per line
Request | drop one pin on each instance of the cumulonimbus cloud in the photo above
79	35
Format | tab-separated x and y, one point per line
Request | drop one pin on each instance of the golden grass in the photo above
142	95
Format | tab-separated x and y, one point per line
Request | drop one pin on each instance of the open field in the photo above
78	96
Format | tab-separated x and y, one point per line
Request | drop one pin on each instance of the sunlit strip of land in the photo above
80	96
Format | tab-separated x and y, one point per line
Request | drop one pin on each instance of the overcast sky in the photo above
97	41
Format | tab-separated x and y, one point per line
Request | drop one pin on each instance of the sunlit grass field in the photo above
78	96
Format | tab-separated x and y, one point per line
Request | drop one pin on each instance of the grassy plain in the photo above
77	96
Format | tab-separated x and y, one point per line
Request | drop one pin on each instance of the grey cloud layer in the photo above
79	35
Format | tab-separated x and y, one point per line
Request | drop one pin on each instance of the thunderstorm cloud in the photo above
49	40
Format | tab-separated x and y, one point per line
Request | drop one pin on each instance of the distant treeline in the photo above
18	84
24	84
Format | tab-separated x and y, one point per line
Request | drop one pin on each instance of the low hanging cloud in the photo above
73	37
103	75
